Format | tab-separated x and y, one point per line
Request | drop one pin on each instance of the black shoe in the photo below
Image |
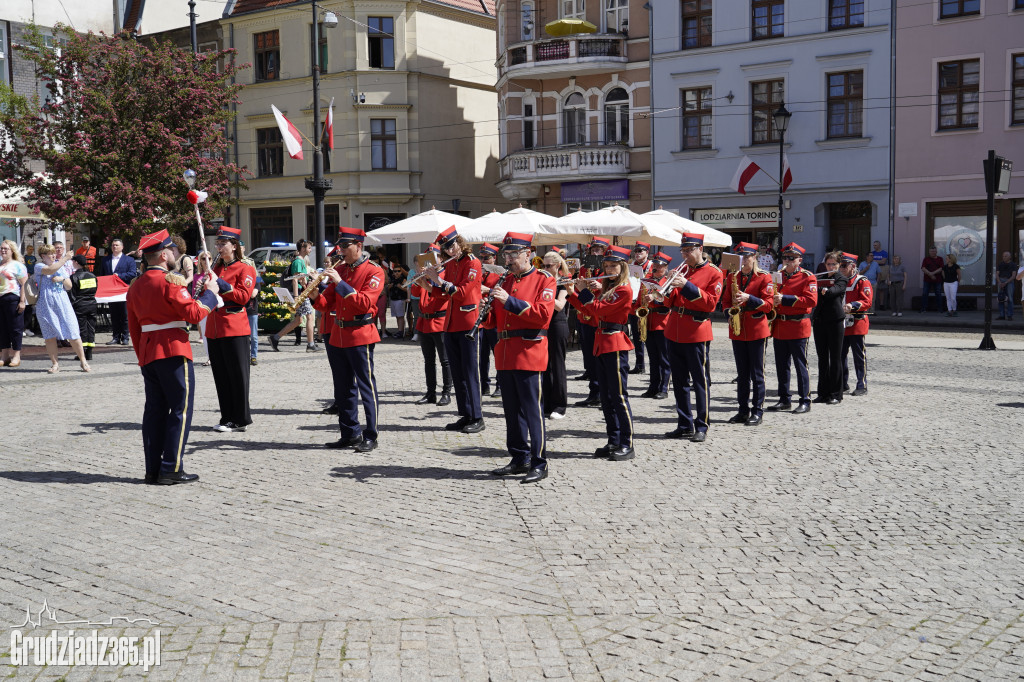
860	391
151	479
511	470
497	392
822	399
802	408
740	418
833	401
176	477
583	377
535	475
699	437
660	395
428	398
680	432
113	342
648	394
846	387
330	409
604	450
88	353
781	406
639	369
457	425
445	399
473	426
485	390
591	401
273	343
366	445
753	421
342	443
621	454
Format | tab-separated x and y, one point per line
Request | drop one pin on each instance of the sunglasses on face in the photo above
790	257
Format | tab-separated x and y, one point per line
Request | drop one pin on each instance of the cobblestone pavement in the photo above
880	539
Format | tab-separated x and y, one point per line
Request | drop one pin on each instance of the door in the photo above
850	227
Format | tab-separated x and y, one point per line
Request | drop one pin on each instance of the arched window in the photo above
528	21
616	116
574	120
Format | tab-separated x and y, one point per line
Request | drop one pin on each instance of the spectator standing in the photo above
121	264
13	275
53	309
1020	276
381	317
882	286
300	271
30	265
897	285
765	261
82	290
30	258
880	255
869	270
951	273
88	251
1005	272
398	295
932	269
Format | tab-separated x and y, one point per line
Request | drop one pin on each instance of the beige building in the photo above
414	110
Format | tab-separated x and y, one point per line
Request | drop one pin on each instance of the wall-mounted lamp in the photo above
547	189
528	26
730	97
357	99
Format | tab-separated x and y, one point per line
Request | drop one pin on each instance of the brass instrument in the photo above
643	311
438	267
538	262
307	292
663	290
735	312
569	281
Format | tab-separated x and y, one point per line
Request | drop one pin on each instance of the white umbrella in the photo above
494	226
420	228
712	237
612	221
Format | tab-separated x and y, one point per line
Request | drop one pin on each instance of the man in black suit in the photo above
828	324
117	262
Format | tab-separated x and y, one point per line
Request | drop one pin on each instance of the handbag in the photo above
31	291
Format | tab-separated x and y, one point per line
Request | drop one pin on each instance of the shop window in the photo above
269	225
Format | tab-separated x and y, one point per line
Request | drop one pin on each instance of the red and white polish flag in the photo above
329	125
111	289
744	173
787	173
289	133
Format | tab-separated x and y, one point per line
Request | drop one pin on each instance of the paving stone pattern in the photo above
880	539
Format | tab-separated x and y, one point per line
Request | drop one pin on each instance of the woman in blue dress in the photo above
53	309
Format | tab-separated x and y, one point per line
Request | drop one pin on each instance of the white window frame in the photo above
581	128
618	12
572	9
51	42
4	71
528	28
532	118
624	108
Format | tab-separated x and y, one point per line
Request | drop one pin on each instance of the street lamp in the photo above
781	116
318	184
997	181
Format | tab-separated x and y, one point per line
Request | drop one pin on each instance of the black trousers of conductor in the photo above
462	356
860	359
521	401
795	350
432	346
587	334
828	344
167	417
691	374
657	346
612	373
488	340
555	388
229	360
355	382
750	370
634	335
119	320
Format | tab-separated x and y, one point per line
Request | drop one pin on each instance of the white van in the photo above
276	251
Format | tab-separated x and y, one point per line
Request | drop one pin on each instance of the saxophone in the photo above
735	312
307	292
642	312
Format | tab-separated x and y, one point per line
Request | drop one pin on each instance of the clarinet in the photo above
485	310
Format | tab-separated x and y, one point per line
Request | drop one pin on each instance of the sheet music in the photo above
284	295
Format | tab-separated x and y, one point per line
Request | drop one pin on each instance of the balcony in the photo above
556	164
563	57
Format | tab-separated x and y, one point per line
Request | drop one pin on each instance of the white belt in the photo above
179	324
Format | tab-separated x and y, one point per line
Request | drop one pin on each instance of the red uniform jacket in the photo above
236	280
799	296
584	317
490	280
657	317
754	314
612	315
461	284
433	310
858	295
155	298
354	301
530	305
699	296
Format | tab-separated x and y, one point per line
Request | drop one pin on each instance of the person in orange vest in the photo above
89	251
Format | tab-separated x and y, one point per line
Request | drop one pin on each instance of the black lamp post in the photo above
781	116
318	184
997	181
192	25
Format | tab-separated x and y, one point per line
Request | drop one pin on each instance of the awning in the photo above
13	205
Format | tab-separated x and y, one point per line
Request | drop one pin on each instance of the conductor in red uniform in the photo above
588	324
524	302
160	309
488	337
794	299
858	301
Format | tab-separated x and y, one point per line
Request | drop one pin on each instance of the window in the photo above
958	94
573	9
616	116
269	152
1017	115
270	225
765	97
332	219
766	19
845	14
268	55
616	14
574	120
959	8
697	118
383	144
4	75
323	48
845	104
529	127
528	21
696	24
50	92
381	33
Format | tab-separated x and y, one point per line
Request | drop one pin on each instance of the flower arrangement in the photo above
274	315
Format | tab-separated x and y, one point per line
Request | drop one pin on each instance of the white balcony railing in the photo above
555	53
553	163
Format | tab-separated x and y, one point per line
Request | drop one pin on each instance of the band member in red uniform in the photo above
228	333
858	301
488	337
430	327
657	321
460	282
753	303
794	300
641	257
610	302
353	289
524	302
692	298
160	309
588	324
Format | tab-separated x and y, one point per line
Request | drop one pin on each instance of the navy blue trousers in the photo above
524	422
795	350
488	340
657	346
354	382
634	335
860	360
587	334
612	372
167	417
691	374
462	357
750	370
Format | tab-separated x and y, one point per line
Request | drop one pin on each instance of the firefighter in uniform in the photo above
460	282
752	303
488	337
587	324
430	327
657	321
83	302
354	286
692	298
641	253
524	302
858	301
794	299
159	312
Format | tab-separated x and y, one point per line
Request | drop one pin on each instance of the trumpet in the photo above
663	289
439	266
